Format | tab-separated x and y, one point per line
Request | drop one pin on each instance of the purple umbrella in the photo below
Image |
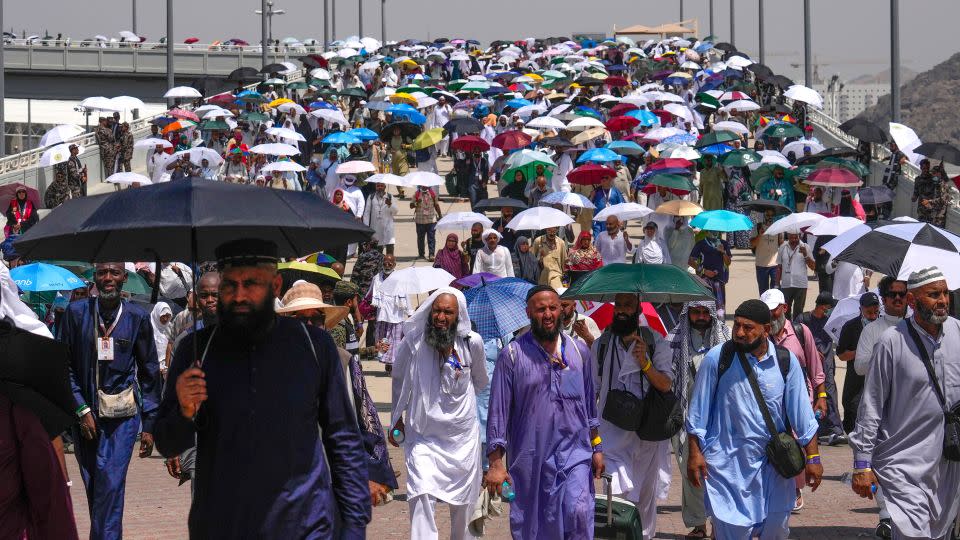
474	280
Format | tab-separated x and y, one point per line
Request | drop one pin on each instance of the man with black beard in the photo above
279	454
439	368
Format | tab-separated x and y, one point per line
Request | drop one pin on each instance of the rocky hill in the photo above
927	103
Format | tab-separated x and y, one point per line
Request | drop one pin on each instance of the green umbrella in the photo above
852	165
456	84
671	181
652	282
254	116
319	83
717	137
804	170
299	85
740	158
552	74
762	173
354	92
708	100
77	267
409	89
135	283
211	125
782	130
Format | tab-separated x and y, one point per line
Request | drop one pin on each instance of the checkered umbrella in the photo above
498	308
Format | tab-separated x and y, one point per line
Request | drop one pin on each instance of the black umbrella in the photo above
761	71
309	62
557	142
34	374
829	152
273	68
865	130
407	129
762	205
244	74
781	81
497	203
354	92
942	151
725	47
187	220
875	195
463	124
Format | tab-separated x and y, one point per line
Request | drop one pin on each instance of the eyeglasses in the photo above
317	320
892	294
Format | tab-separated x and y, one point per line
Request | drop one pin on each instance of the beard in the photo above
929	316
440	338
748	347
112	295
701	325
541	333
247	325
625	324
777	324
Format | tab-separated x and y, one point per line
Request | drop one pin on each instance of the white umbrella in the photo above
291	107
200	153
128	178
681	151
539	217
741	105
152	143
567	198
636	100
771	157
424	102
217	113
347	53
624	211
792	223
739	62
846	309
275	149
184	92
423	178
834	226
730	125
661	133
798	92
60	134
331	115
797	147
286	133
320	73
546	122
129	36
463	220
906	139
284	166
356	167
584	122
126	103
415	280
57	154
388	179
527	110
98	103
677	109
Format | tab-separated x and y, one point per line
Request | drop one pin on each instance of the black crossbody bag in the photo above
783	450
951	417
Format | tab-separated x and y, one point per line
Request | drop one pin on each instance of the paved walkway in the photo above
156	508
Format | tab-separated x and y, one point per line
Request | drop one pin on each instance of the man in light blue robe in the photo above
727	434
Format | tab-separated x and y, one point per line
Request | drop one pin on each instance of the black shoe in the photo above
884	529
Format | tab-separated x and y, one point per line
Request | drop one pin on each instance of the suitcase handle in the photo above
608	482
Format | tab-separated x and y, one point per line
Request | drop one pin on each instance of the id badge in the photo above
105	349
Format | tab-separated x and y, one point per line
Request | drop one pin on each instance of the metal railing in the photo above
219	46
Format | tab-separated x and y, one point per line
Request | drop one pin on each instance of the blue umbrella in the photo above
494	91
406	112
516	103
599	155
676	81
716	149
498	308
646	118
38	277
721	221
625	147
340	137
322	105
682	138
364	134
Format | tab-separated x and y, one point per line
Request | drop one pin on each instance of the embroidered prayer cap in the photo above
246	252
924	277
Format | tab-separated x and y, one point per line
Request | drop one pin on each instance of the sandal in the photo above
798	505
697	532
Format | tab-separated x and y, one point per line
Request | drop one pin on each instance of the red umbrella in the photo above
670	163
622	123
9	191
225	98
512	140
470	143
615	80
664	116
183	114
590	174
190	40
833	177
622	108
516	87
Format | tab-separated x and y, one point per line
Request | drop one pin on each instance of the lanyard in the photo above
103	330
454	361
553	358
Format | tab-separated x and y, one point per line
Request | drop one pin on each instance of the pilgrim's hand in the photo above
88	427
821	405
191	391
598	465
146	445
863	483
696	469
399	427
173	467
495	478
378	492
814	472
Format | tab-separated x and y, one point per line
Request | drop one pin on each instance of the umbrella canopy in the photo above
567	199
497	203
834	226
782	130
275	149
539	217
875	195
57	154
187	220
833	177
463	220
624	211
627	148
415	280
474	280
793	223
740	158
865	130
59	134
679	207
128	178
364	134
762	205
590	174
942	151
511	140
183	92
407	129
498	308
423	178
37	277
721	221
651	282
463	124
356	167
470	143
9	191
388	179
810	96
428	138
717	137
671	181
340	137
598	155
284	166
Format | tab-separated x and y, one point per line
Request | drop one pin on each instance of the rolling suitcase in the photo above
615	518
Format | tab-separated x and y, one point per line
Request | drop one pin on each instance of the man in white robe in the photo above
439	368
378	214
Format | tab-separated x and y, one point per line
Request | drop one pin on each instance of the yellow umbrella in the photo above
279	101
403	97
406	62
679	208
681	74
309	267
428	138
535	77
587	134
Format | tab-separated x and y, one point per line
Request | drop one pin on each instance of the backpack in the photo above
604	341
727	351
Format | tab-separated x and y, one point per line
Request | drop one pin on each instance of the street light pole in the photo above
333	19
383	21
170	69
761	31
3	127
360	27
711	17
733	19
134	29
807	66
264	32
895	60
326	24
681	11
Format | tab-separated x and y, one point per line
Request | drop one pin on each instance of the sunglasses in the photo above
316	320
893	294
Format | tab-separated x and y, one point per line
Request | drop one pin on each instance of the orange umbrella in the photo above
177	126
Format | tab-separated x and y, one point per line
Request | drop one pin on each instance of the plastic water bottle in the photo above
507	493
819	414
398	436
847	478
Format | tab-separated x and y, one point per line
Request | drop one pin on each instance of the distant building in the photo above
844	101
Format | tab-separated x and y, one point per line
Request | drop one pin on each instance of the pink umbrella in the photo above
183	114
833	177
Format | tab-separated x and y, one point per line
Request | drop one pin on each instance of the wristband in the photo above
811	456
822	395
864	465
82	411
647	367
596	441
813	460
860	471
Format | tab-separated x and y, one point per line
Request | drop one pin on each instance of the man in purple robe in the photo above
543	416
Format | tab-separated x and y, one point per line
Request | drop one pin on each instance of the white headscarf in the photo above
13	308
160	330
488	232
417	323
